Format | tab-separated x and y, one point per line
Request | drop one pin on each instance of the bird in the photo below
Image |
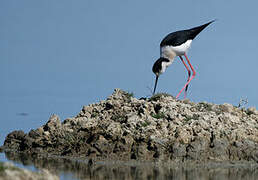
177	44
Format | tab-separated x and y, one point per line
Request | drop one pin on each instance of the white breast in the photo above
178	50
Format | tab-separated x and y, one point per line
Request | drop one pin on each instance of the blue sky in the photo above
56	56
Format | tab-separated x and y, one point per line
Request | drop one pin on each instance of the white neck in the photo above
164	66
168	53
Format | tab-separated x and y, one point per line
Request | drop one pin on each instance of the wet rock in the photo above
160	128
178	151
14	139
197	149
219	149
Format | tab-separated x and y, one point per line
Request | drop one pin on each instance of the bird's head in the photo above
159	67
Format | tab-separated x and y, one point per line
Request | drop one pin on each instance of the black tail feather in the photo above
196	30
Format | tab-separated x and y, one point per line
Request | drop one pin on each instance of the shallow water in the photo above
68	168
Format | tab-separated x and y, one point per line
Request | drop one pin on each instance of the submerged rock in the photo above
9	171
158	129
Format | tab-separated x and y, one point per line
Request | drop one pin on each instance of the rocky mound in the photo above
160	128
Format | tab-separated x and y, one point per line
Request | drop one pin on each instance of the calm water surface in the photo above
77	169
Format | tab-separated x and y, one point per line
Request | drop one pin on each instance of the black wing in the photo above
179	37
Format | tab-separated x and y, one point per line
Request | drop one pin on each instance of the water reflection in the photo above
133	170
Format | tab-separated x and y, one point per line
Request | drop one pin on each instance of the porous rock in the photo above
160	128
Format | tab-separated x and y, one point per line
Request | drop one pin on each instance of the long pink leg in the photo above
189	74
194	73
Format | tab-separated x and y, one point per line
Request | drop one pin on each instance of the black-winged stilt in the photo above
176	44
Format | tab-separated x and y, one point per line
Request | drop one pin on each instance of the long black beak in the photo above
156	81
